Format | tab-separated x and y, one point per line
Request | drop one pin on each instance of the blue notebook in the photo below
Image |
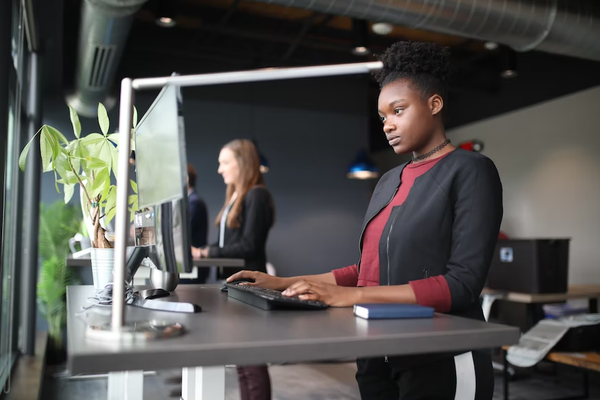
392	310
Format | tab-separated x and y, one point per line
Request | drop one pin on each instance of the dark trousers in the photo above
255	383
468	377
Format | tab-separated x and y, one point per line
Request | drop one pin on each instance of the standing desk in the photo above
231	332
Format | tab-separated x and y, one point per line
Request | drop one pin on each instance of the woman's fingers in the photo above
241	275
300	287
310	296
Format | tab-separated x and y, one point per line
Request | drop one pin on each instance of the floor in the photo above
318	381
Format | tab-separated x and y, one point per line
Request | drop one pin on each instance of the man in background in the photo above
198	223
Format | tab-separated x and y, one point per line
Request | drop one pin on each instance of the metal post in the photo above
31	214
121	216
5	60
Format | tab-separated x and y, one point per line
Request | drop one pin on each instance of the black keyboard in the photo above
269	299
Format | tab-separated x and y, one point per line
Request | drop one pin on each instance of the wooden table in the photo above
584	361
590	292
533	301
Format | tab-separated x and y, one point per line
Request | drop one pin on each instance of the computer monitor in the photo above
162	225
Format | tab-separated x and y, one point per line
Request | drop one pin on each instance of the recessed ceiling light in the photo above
382	28
509	73
166	22
360	51
360	37
490	45
509	64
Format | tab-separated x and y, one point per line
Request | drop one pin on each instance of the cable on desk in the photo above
104	297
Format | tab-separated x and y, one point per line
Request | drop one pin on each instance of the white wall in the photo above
548	159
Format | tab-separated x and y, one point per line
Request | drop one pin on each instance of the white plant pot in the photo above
103	263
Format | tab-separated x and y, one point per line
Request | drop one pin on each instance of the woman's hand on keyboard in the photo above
330	294
260	279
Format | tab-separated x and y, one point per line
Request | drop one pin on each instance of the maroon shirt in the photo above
433	292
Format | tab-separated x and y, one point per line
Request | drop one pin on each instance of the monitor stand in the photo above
139	331
146	299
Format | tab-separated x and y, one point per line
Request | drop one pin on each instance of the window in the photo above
9	289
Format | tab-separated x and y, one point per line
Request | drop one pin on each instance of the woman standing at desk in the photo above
428	235
244	223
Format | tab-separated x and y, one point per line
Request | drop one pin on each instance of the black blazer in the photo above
448	225
198	219
199	231
249	241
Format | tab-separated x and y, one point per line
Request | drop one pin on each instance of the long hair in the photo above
246	156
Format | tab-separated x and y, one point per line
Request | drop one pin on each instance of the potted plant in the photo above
58	222
89	162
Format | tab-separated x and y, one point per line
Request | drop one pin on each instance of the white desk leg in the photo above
126	385
203	383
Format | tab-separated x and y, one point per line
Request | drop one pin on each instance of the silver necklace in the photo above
429	153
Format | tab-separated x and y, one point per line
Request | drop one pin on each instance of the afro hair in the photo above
425	64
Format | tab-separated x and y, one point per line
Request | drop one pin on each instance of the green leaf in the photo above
56	182
62	166
46	151
92	139
114	137
106	192
104	153
23	156
75	122
95	163
76	158
68	178
106	189
110	214
58	136
100	182
114	157
58	222
69	190
131	199
135	117
133	186
111	199
52	142
103	120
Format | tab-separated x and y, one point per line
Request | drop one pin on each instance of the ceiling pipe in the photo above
566	27
103	31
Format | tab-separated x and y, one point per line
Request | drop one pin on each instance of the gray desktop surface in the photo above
197	262
231	332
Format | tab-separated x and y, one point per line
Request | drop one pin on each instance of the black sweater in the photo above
250	239
448	225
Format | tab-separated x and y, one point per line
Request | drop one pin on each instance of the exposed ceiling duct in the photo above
103	31
567	27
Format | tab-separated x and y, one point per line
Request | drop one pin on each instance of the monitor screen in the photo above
160	151
162	224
